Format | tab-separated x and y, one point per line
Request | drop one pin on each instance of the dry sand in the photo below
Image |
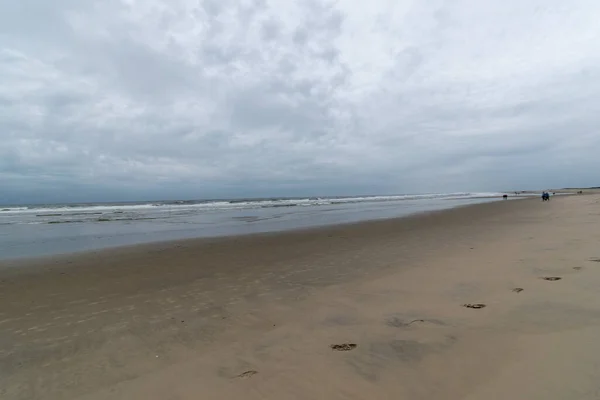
254	317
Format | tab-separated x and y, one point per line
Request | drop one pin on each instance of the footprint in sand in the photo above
551	278
399	323
577	268
595	259
343	346
518	289
475	306
247	374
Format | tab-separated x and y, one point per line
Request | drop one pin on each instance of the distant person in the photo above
545	196
505	196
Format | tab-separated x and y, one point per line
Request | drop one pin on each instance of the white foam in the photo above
226	205
12	209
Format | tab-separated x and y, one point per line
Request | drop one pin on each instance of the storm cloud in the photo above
126	99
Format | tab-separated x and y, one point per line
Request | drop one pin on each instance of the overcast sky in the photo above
135	99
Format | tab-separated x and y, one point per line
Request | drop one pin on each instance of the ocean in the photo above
41	230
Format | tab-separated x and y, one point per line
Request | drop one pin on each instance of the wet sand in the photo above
254	317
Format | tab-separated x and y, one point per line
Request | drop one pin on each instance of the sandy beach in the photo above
254	317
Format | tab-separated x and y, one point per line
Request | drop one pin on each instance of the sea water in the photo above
39	230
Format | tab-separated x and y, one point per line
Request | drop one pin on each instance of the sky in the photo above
157	99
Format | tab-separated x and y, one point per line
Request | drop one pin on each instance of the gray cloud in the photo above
118	99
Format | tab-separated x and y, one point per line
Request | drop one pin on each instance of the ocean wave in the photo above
9	209
232	204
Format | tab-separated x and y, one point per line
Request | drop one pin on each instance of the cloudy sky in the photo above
131	99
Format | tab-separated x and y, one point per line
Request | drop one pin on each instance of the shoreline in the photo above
255	315
28	238
173	245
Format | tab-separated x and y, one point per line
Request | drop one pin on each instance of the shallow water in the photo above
48	230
